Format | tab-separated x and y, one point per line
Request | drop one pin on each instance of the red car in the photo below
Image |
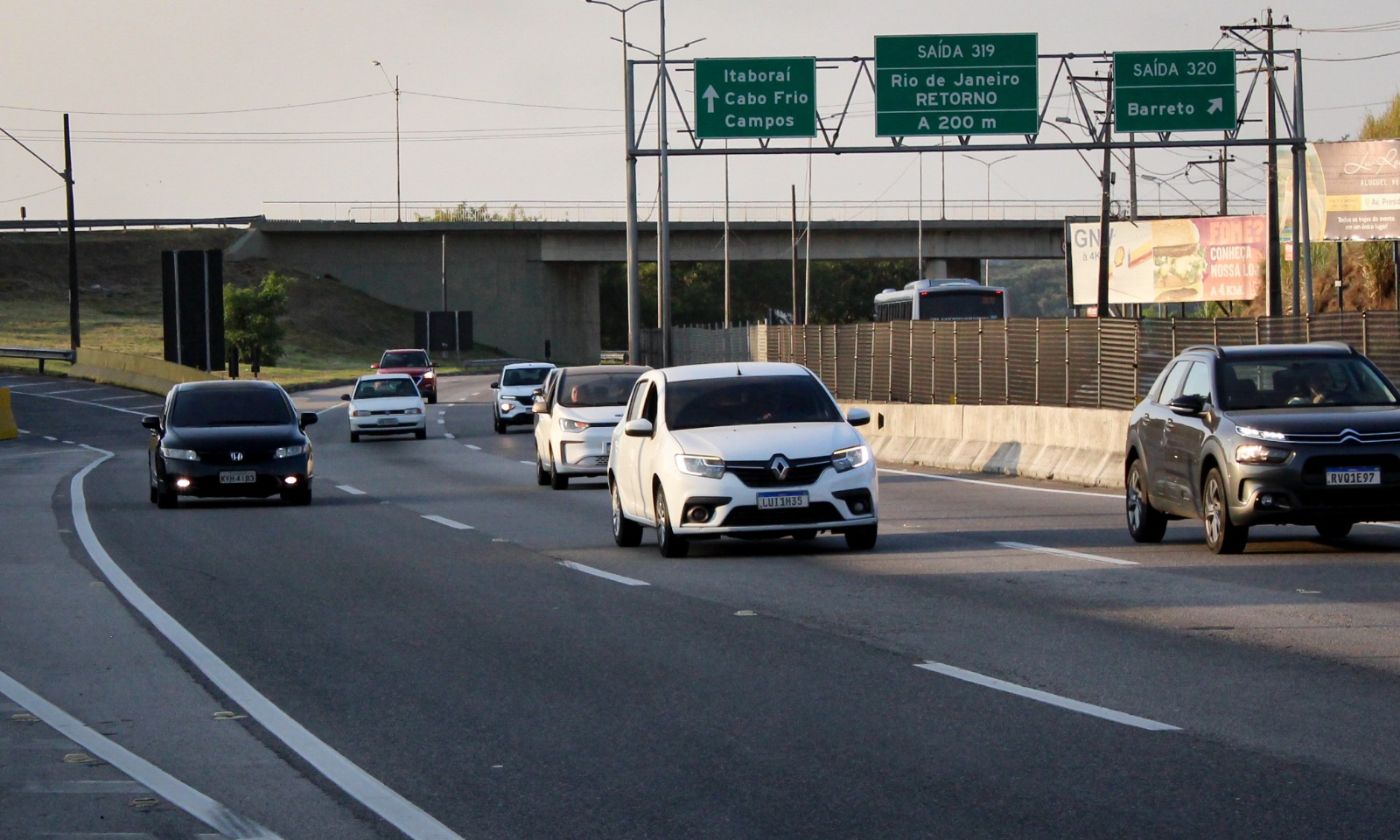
416	364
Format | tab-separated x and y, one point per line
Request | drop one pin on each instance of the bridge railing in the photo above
1075	362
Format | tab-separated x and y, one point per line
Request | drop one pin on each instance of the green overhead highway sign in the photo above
1187	90
956	84
755	98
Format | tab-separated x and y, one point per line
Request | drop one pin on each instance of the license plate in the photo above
772	501
1353	476
387	421
238	477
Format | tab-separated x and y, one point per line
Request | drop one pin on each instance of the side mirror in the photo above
857	417
495	385
540	407
345	397
309	418
150	421
638	428
1187	405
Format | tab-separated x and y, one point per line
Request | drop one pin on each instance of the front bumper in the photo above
732	506
269	477
388	424
1296	492
583	453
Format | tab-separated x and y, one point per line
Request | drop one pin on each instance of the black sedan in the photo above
1301	434
229	439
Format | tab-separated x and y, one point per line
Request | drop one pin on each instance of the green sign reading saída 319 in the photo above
956	84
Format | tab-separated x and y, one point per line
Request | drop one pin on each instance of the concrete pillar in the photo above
942	268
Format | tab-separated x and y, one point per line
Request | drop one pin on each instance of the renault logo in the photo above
235	456
779	467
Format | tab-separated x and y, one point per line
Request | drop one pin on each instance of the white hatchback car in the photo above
747	449
577	412
386	404
515	394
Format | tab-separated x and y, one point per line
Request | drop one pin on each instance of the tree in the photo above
482	213
1384	127
250	317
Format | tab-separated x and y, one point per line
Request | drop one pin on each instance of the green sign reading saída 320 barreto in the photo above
956	84
1186	90
755	98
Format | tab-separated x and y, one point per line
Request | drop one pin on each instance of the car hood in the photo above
518	390
1321	420
213	437
386	403
411	371
763	441
599	415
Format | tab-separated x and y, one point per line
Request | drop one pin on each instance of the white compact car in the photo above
747	449
386	404
515	394
577	411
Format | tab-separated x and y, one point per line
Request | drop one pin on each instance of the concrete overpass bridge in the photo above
528	282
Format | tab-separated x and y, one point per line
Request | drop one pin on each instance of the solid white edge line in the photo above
589	570
341	771
451	523
330	408
1061	552
207	810
76	390
998	484
354	491
1046	697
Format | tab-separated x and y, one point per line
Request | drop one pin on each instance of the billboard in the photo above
1171	260
1353	190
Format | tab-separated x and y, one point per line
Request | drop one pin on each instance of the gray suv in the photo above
1303	434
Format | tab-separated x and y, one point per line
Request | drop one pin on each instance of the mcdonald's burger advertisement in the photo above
1170	260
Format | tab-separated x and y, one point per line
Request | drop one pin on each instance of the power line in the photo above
1355	58
193	113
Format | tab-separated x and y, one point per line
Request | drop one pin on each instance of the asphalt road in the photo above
1005	663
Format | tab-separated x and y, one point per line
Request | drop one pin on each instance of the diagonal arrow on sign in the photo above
710	96
1215	105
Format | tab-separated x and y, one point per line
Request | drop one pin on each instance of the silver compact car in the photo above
577	410
514	394
386	404
1281	434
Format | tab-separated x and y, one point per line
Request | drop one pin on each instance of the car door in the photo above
544	425
1153	430
649	448
1186	435
623	458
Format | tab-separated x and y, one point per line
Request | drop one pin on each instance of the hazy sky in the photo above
199	108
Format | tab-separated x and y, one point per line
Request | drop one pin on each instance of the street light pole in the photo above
663	222
398	160
989	177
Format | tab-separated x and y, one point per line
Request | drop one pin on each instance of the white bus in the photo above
941	300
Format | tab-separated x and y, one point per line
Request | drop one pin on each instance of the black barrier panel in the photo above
440	331
192	294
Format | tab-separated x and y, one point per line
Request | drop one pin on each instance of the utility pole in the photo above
794	254
807	258
663	221
726	238
73	331
1132	177
1105	185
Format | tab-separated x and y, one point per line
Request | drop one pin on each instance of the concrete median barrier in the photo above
1078	445
140	373
8	429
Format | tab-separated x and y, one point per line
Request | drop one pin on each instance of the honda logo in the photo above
235	456
779	467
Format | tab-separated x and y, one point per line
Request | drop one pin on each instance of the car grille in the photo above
801	471
1345	436
525	400
377	413
221	458
748	515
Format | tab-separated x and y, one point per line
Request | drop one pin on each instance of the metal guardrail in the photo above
40	353
123	224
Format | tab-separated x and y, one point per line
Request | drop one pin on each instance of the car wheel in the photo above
153	494
165	498
1146	524
541	474
666	539
862	538
626	533
354	437
499	426
420	434
1333	530
1222	535
557	481
432	398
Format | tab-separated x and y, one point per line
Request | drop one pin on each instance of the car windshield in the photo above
404	358
370	389
240	407
1300	381
583	390
524	376
748	400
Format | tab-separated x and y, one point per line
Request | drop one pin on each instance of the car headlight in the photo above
569	424
1260	434
851	457
430	375
289	451
507	406
1258	453
179	454
413	411
355	412
705	466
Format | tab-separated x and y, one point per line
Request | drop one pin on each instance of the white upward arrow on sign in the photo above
710	95
1215	105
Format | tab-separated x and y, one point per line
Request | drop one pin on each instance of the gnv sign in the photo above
755	98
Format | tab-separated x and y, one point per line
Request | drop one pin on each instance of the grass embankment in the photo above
333	333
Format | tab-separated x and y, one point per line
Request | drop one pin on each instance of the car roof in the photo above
406	350
1256	351
637	369
526	365
725	370
371	377
229	385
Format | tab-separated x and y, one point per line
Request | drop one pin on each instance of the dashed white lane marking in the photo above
999	485
341	771
451	523
122	397
476	393
531	463
68	442
145	776
442	411
330	408
589	570
354	491
76	391
51	438
441	422
473	447
1046	697
449	435
1060	552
